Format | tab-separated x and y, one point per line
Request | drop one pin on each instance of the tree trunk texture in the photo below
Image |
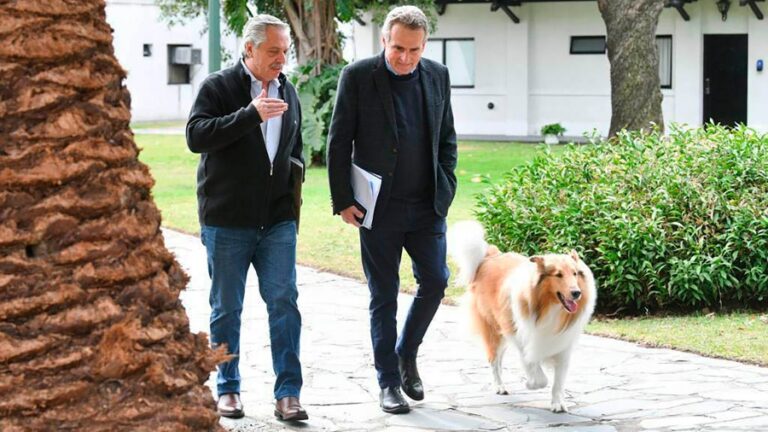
92	333
635	85
314	31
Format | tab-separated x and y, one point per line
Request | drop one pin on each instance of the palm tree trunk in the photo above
635	86
92	333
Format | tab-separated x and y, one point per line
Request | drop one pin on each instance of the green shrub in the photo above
675	223
317	94
553	129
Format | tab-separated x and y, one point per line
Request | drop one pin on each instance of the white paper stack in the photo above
366	186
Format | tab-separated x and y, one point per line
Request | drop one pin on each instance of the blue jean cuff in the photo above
225	390
287	393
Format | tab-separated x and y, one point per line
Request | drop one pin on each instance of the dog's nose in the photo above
575	294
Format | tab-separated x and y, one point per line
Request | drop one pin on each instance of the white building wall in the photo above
362	40
500	71
574	90
687	65
137	22
757	98
667	26
517	75
527	72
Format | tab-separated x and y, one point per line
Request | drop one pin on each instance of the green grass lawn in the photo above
327	243
174	169
737	336
158	124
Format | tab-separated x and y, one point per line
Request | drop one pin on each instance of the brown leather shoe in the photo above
289	409
229	405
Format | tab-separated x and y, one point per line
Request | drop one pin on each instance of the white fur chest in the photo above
543	339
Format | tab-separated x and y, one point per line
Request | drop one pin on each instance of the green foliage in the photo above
237	12
180	11
380	8
317	94
677	222
552	129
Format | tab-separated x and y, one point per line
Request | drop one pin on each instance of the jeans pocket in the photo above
205	233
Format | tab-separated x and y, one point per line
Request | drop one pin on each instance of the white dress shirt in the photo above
270	129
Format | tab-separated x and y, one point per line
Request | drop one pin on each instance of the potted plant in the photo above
551	132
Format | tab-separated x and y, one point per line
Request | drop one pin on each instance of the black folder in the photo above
297	178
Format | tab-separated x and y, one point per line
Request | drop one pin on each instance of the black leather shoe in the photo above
409	376
392	401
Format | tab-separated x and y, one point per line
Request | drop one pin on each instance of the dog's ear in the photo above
574	255
539	261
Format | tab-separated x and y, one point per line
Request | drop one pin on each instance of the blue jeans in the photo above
416	228
272	252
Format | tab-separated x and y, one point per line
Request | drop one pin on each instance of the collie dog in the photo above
539	305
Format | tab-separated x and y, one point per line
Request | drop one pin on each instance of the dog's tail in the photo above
467	246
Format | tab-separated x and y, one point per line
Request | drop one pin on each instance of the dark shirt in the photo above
413	172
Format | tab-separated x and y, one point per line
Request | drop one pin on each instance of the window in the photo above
588	45
664	47
147	50
458	55
597	45
179	60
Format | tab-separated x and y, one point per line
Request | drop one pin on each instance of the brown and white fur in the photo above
539	305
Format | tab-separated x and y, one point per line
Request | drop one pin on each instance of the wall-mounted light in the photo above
760	65
722	7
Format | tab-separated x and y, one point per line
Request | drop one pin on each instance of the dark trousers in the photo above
416	228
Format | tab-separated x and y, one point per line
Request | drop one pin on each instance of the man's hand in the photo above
268	107
351	214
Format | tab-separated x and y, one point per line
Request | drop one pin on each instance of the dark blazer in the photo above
363	130
236	184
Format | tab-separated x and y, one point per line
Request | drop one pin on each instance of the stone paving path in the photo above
612	385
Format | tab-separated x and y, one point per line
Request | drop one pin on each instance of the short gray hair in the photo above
255	30
408	16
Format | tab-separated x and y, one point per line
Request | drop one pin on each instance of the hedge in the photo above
677	222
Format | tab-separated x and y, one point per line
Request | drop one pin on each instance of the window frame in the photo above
605	52
187	68
603	38
671	60
443	41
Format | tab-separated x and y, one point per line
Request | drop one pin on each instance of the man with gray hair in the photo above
393	118
246	125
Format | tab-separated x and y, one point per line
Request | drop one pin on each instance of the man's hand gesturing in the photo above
268	107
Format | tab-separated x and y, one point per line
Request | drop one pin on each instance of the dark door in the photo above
725	79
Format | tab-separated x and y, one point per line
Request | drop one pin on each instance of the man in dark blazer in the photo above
393	118
245	123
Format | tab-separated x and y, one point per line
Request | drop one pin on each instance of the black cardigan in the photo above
236	184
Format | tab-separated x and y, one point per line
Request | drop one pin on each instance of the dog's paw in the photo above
558	405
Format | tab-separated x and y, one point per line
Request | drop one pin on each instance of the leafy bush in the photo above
317	94
676	223
552	129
